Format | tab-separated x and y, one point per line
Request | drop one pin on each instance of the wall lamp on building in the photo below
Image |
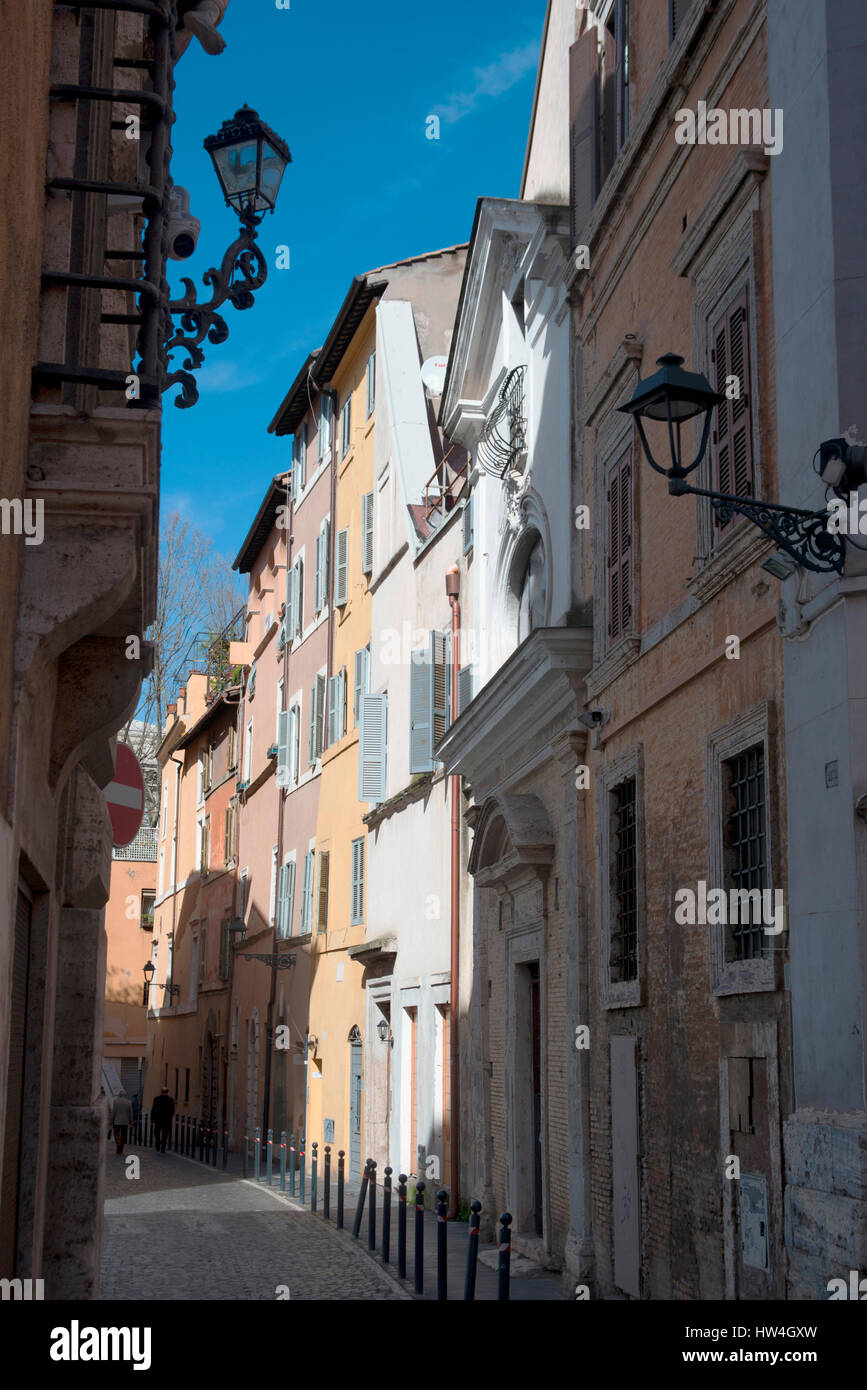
148	974
383	1032
674	397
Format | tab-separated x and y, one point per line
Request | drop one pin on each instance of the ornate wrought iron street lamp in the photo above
674	397
250	160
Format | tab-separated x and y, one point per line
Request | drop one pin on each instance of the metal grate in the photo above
143	848
746	848
623	958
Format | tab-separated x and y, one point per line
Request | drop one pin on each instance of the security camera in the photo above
183	229
842	465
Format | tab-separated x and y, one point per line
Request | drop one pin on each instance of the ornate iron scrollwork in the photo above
283	961
504	438
803	535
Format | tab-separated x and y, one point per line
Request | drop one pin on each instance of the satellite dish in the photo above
433	375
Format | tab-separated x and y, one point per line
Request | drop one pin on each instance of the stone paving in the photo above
184	1231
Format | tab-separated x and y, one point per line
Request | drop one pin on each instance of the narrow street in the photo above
183	1231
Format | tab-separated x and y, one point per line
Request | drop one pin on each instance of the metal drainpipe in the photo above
332	538
179	767
453	589
231	950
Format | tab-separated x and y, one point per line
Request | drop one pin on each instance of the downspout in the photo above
230	951
453	589
332	536
178	767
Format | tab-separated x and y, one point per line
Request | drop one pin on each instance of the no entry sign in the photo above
124	797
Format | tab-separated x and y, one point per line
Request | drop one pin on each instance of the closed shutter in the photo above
291	604
311	746
341	579
420	740
371	384
367	533
372	748
620	547
357	914
324	426
362	681
733	444
307	893
317	579
283	762
299	598
321	695
326	563
290	896
583	133
302	457
281	899
294	742
465	687
341	702
322	912
468	525
441	684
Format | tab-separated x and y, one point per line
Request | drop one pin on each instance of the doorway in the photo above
356	1086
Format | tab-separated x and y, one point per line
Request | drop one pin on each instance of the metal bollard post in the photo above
201	1139
215	1144
177	1122
282	1160
371	1211
356	1225
419	1237
326	1195
291	1165
313	1166
256	1155
505	1247
401	1225
145	1137
442	1237
340	1157
225	1146
472	1253
386	1216
301	1146
268	1152
246	1145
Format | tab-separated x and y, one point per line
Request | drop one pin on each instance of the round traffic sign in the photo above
124	797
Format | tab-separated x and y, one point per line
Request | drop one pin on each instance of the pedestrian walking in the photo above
162	1114
121	1116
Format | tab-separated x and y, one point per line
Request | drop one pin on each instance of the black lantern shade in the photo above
674	396
149	971
382	1029
250	160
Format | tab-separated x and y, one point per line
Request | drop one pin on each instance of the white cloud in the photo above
491	81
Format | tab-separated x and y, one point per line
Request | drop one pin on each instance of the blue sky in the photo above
349	87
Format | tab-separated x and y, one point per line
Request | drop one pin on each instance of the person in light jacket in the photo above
121	1118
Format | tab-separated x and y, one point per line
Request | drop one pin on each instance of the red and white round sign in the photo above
124	797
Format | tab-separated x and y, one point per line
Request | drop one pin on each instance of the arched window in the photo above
532	593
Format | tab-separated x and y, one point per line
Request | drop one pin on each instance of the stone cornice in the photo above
625	360
745	173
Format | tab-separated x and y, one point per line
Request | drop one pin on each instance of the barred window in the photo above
623	958
745	850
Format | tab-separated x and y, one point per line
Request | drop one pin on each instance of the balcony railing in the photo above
502	447
143	847
443	488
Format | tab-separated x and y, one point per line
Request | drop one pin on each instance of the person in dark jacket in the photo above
162	1113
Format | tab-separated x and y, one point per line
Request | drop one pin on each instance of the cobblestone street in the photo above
182	1231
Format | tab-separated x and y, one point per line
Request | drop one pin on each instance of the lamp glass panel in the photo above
236	165
273	168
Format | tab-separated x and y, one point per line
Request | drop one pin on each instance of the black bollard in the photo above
419	1238
442	1236
340	1156
371	1213
326	1193
176	1133
313	1176
386	1216
504	1248
472	1252
201	1140
225	1145
356	1225
145	1135
401	1225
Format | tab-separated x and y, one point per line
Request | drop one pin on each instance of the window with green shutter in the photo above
341	578
322	910
362	681
367	533
465	687
468	525
307	893
357	896
440	676
346	427
372	748
420	723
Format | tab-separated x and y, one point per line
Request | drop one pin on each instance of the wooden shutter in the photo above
291	604
333	699
311	746
290	896
440	683
322	913
372	748
620	547
326	563
341	579
367	533
465	687
608	109
733	437
357	914
321	694
317	578
420	733
362	681
583	132
307	892
341	702
283	726
228	836
282	885
293	739
302	457
468	525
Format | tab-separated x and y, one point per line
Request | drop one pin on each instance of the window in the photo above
465	687
325	415
317	718
248	754
251	682
232	750
194	966
362	681
337	707
165	809
357	906
224	949
615	85
322	910
440	674
732	435
203	954
745	849
346	427
206	845
200	777
272	900
161	872
299	460
322	566
209	768
280	710
341	578
623	956
367	533
677	13
533	593
420	723
242	894
307	893
148	898
286	898
370	381
295	601
230	832
373	710
619	498
467	526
